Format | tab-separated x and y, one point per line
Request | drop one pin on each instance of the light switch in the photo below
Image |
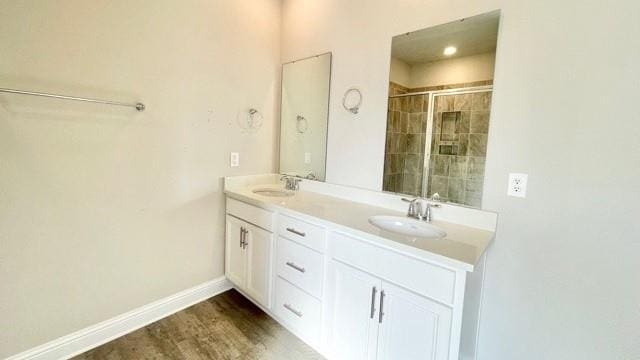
234	159
307	158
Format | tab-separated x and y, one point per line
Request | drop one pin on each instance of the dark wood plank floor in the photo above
227	326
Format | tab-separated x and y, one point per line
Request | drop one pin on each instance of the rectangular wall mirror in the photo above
439	106
304	114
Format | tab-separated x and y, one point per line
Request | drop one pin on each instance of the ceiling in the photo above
474	35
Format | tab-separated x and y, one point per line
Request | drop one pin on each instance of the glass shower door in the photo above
455	155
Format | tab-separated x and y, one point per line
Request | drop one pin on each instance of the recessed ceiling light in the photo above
450	50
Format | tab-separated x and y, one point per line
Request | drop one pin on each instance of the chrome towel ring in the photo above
349	104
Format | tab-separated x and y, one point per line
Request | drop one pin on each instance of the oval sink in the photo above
407	226
273	192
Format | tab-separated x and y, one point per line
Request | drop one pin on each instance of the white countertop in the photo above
461	249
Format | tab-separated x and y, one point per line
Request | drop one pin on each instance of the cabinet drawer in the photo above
423	278
301	266
253	214
302	232
299	310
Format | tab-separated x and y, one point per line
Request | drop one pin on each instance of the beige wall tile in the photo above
477	144
462	102
479	122
481	101
475	168
455	191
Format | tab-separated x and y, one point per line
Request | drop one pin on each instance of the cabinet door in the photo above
235	259
259	247
412	327
353	310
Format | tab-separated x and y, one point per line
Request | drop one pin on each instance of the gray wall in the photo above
562	277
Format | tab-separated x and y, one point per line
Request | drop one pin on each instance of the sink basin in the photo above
273	192
407	226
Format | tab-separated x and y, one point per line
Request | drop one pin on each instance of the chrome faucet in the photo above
291	182
415	208
419	211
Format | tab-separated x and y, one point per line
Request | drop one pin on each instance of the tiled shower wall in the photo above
456	171
406	136
459	147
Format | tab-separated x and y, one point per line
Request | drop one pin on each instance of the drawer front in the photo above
252	214
301	266
299	310
302	232
423	278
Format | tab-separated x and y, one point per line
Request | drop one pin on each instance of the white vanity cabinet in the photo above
347	295
352	313
248	251
375	319
412	326
300	268
371	316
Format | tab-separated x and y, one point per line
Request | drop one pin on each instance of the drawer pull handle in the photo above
299	233
301	269
381	307
373	301
243	238
290	308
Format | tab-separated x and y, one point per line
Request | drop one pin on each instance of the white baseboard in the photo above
98	334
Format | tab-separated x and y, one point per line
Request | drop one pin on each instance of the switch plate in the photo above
307	158
234	159
517	185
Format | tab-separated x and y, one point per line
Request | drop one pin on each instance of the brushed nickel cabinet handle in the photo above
299	233
290	308
242	237
293	265
246	243
373	301
381	306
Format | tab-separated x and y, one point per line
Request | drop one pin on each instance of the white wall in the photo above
562	275
103	209
400	72
453	71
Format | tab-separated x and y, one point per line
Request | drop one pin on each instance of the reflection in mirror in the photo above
440	87
304	115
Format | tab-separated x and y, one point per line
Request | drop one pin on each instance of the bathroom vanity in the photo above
313	261
346	269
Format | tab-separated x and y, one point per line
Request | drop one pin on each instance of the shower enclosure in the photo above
436	143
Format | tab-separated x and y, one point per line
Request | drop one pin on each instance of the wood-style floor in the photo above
227	326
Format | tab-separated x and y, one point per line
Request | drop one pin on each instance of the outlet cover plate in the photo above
517	185
234	159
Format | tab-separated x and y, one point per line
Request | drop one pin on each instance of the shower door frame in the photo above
429	132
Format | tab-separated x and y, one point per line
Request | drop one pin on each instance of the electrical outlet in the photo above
234	159
307	158
517	185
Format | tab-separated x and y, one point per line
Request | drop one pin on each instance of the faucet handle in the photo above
436	198
415	207
295	183
291	182
411	202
